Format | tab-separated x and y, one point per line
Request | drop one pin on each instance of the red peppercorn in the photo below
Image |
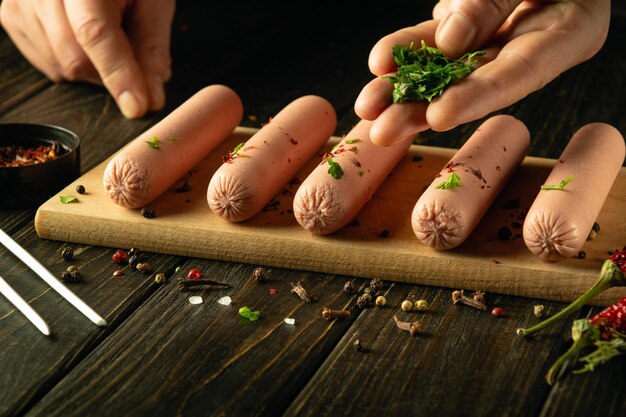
273	291
118	272
194	274
497	311
119	256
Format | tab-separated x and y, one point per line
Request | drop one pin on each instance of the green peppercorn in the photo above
407	305
421	305
381	301
68	253
72	268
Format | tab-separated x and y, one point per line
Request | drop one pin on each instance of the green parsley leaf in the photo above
424	73
154	142
249	314
558	186
173	139
237	149
334	169
67	199
351	141
452	181
361	173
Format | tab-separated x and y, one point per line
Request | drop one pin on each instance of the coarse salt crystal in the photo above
225	301
290	321
196	299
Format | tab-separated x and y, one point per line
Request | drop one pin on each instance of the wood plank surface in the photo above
185	226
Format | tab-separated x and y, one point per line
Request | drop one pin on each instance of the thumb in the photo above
150	32
467	25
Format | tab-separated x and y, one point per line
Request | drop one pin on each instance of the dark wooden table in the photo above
162	356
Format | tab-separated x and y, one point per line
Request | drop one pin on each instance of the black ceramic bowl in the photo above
30	185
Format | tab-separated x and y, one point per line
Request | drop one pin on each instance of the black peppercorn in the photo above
595	227
369	290
147	213
376	284
76	276
504	233
581	254
384	234
65	276
364	300
133	260
133	252
80	189
358	346
68	253
349	288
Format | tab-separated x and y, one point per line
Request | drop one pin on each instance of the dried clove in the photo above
413	328
68	253
299	290
349	287
479	296
184	284
329	314
459	296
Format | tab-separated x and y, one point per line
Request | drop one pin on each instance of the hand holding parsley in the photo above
520	40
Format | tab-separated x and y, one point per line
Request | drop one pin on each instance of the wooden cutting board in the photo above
184	225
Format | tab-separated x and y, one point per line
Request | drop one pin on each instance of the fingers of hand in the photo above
467	25
373	99
97	27
149	34
398	122
380	59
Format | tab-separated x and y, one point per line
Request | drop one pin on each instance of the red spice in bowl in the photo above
36	161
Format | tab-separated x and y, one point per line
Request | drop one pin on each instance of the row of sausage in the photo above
556	225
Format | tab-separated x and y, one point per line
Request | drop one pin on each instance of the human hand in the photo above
528	44
121	44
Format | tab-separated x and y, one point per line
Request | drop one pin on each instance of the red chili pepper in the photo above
611	275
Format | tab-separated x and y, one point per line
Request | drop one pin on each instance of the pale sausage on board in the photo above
256	171
559	221
159	157
345	180
444	217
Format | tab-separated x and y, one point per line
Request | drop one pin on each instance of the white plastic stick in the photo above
50	279
23	306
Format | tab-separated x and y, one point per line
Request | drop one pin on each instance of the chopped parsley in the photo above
452	181
67	199
154	142
334	169
249	314
237	149
424	73
352	141
558	186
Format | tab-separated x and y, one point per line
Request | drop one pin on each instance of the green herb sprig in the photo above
154	142
452	181
247	313
558	186
334	169
424	73
67	199
237	149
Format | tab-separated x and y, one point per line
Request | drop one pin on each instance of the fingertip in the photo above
455	34
373	99
131	106
398	122
157	92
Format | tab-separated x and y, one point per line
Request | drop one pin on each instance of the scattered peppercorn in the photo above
147	213
119	256
384	234
273	291
72	268
159	278
74	276
407	305
504	233
581	254
592	235
369	290
538	310
133	261
80	189
421	305
65	276
144	267
364	300
349	287
258	274
497	311
358	346
118	273
194	273
68	253
595	227
133	252
381	301
377	284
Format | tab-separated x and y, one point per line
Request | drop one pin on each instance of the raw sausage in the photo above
345	180
255	173
559	221
155	160
444	218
